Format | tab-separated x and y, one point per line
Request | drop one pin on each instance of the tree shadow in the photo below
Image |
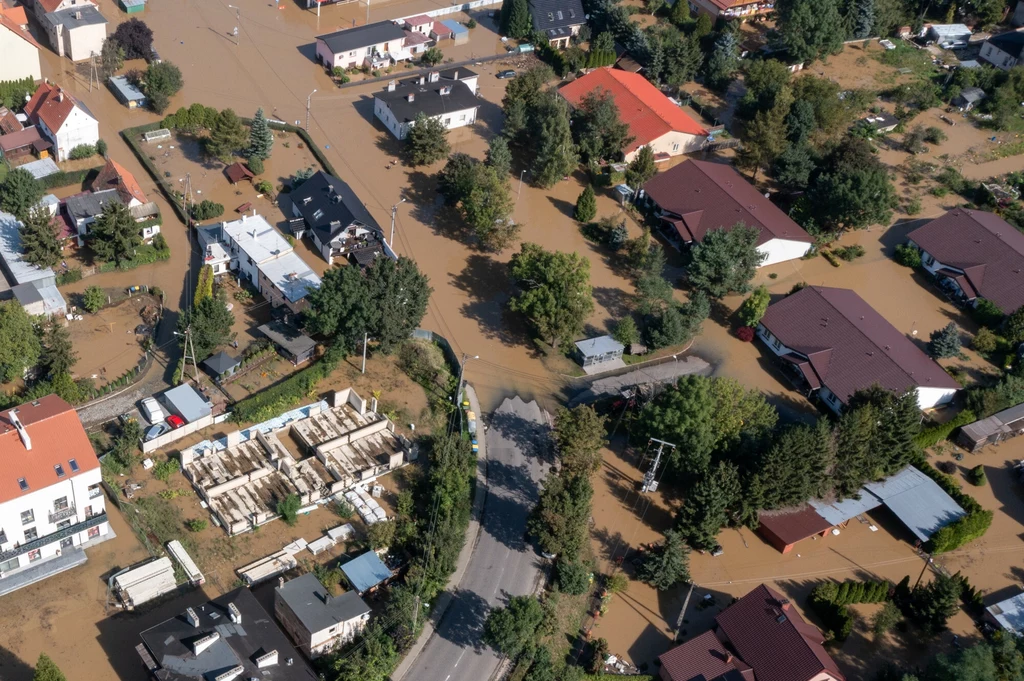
463	623
511	495
511	429
12	668
429	208
564	207
485	281
1007	491
617	302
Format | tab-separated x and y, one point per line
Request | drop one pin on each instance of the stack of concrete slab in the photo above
341	532
320	545
145	582
367	507
192	571
267	567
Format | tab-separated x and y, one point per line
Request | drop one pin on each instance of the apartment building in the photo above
51	503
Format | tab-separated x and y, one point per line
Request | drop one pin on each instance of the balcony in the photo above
53	537
62	514
96	491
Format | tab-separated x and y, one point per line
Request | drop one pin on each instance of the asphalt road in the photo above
502	564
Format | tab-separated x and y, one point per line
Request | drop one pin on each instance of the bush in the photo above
573	576
101	147
745	334
908	256
985	341
987	313
831	257
933	135
913	206
885	619
67	178
165	469
82	151
255	165
977	476
196	524
94	299
264	187
69	276
471	23
207	210
617	583
850	253
288	508
929	437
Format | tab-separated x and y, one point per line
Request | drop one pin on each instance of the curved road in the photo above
502	564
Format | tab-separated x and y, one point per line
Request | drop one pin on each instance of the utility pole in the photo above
518	193
682	613
394	211
238	22
366	339
650	483
92	72
367	11
309	101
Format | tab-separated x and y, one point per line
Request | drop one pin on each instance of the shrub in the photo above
745	334
885	619
908	256
850	253
933	135
831	257
82	151
93	299
929	437
69	276
101	147
987	313
985	341
207	210
196	524
288	508
471	23
573	576
255	165
165	469
264	187
913	206
977	476
617	583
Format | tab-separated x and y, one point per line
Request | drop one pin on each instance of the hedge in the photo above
929	437
286	394
67	178
69	276
968	528
830	600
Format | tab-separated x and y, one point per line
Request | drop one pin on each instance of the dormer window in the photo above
551	16
572	14
559	15
306	200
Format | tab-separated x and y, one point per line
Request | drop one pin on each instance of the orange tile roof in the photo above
14	26
52	105
648	113
115	176
49	5
57	436
15	14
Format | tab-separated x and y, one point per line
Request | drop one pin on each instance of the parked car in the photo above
175	421
154	432
152	411
507	73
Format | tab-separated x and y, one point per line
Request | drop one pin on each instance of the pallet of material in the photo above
320	545
179	553
145	582
267	567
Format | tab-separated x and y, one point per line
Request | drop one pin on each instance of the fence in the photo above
176	434
453	9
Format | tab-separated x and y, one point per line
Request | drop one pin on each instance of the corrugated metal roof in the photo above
601	345
1009	613
366	571
189	404
840	511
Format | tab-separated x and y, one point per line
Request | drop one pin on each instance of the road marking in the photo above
504	564
459	660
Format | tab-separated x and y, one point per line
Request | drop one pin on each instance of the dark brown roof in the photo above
850	346
710	196
21	139
771	636
9	122
704	658
237	172
795	525
989	250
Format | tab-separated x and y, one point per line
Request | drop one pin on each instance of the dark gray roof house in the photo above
295	345
315	619
221	364
350	39
90	204
432	98
557	18
329	206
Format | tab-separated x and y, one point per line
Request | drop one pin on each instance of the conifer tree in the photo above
586	205
261	139
40	238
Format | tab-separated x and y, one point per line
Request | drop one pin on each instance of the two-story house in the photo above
451	100
76	32
374	45
20	50
62	119
51	503
1004	51
559	20
316	620
40	8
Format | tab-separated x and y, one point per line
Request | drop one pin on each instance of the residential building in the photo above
454	103
310	4
62	119
974	254
116	176
1004	51
262	256
697	197
440	31
127	93
222	365
51	503
375	45
294	345
1008	615
83	209
76	32
317	621
948	36
833	343
732	9
227	639
9	122
653	119
40	8
882	122
760	636
16	146
34	287
336	220
599	354
420	23
19	48
15	13
559	20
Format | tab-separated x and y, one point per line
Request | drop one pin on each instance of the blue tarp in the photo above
365	572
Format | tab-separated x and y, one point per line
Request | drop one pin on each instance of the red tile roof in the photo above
57	437
648	113
989	250
704	658
13	23
792	526
770	635
16	14
708	196
419	20
440	29
49	5
237	172
9	122
52	105
115	176
850	346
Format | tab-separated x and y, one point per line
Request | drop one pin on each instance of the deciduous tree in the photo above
766	135
211	324
511	629
560	519
135	38
162	81
115	234
554	291
19	345
641	168
111	58
724	261
19	192
579	436
427	140
554	152
754	307
597	128
400	293
488	208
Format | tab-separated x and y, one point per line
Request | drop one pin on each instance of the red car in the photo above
175	421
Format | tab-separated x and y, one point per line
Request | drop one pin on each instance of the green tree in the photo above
381	535
626	332
720	69
111	58
372	657
641	168
668	565
341	308
794	166
93	299
288	508
597	128
855	189
945	342
810	29
559	521
204	287
765	79
586	205
40	238
58	354
427	141
1013	326
677	324
754	307
115	234
725	261
19	193
766	136
510	630
683	59
19	345
162	81
432	56
573	576
499	156
515	19
47	670
457	178
400	293
488	207
135	38
227	135
707	506
932	604
554	291
261	139
211	322
579	435
554	153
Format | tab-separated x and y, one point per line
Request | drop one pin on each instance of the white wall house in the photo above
1004	51
40	8
374	45
51	503
62	119
317	621
20	53
76	32
453	102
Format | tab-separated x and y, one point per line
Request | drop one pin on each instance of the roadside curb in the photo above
465	555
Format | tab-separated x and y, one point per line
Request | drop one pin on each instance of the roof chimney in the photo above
234	613
60	95
22	433
728	657
411	97
199	645
455	74
78	15
391	85
268	660
423	79
434	76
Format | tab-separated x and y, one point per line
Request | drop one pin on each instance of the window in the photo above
67	542
559	15
777	344
832	398
28	517
462	117
8	565
572	14
59	470
31	533
317	214
60	504
74	465
94	532
89	512
928	259
34	555
23	484
675	147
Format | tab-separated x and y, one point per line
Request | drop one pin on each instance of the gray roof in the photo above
556	17
366	571
428	99
289	338
316	608
1011	42
1009	613
332	206
601	345
90	204
221	363
125	89
14	264
187	403
998	422
972	94
41	291
44	167
454	26
170	644
350	39
76	17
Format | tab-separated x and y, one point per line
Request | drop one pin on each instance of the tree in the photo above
626	332
932	604
211	322
19	345
489	206
707	506
399	291
115	234
885	619
510	630
554	291
579	435
372	657
586	205
432	56
47	670
227	135
810	29
720	69
766	135
457	178
111	58
683	59
58	354
261	139
40	238
135	38
427	140
288	508
641	168
204	287
573	576
381	535
499	156
724	261
162	81
668	565
93	299
793	168
754	307
559	521
341	308
854	189
765	79
677	324
515	19
554	153
597	128
19	192
1013	326
945	342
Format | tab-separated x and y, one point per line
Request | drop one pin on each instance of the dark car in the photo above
507	73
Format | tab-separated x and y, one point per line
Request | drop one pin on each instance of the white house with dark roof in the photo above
375	45
559	20
452	101
317	621
1004	51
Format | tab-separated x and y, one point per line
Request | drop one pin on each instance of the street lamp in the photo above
309	100
520	185
238	21
462	370
394	211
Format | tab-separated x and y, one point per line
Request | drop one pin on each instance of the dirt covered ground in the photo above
106	342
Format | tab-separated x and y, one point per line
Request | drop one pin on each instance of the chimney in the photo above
268	660
192	617
728	657
411	97
60	95
78	15
280	582
234	613
422	80
22	433
455	75
434	76
446	90
391	85
205	642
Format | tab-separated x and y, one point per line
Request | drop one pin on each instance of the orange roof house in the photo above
16	14
62	119
19	52
115	176
653	119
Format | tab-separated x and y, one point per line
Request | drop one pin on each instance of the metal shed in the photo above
366	572
996	428
187	403
460	34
